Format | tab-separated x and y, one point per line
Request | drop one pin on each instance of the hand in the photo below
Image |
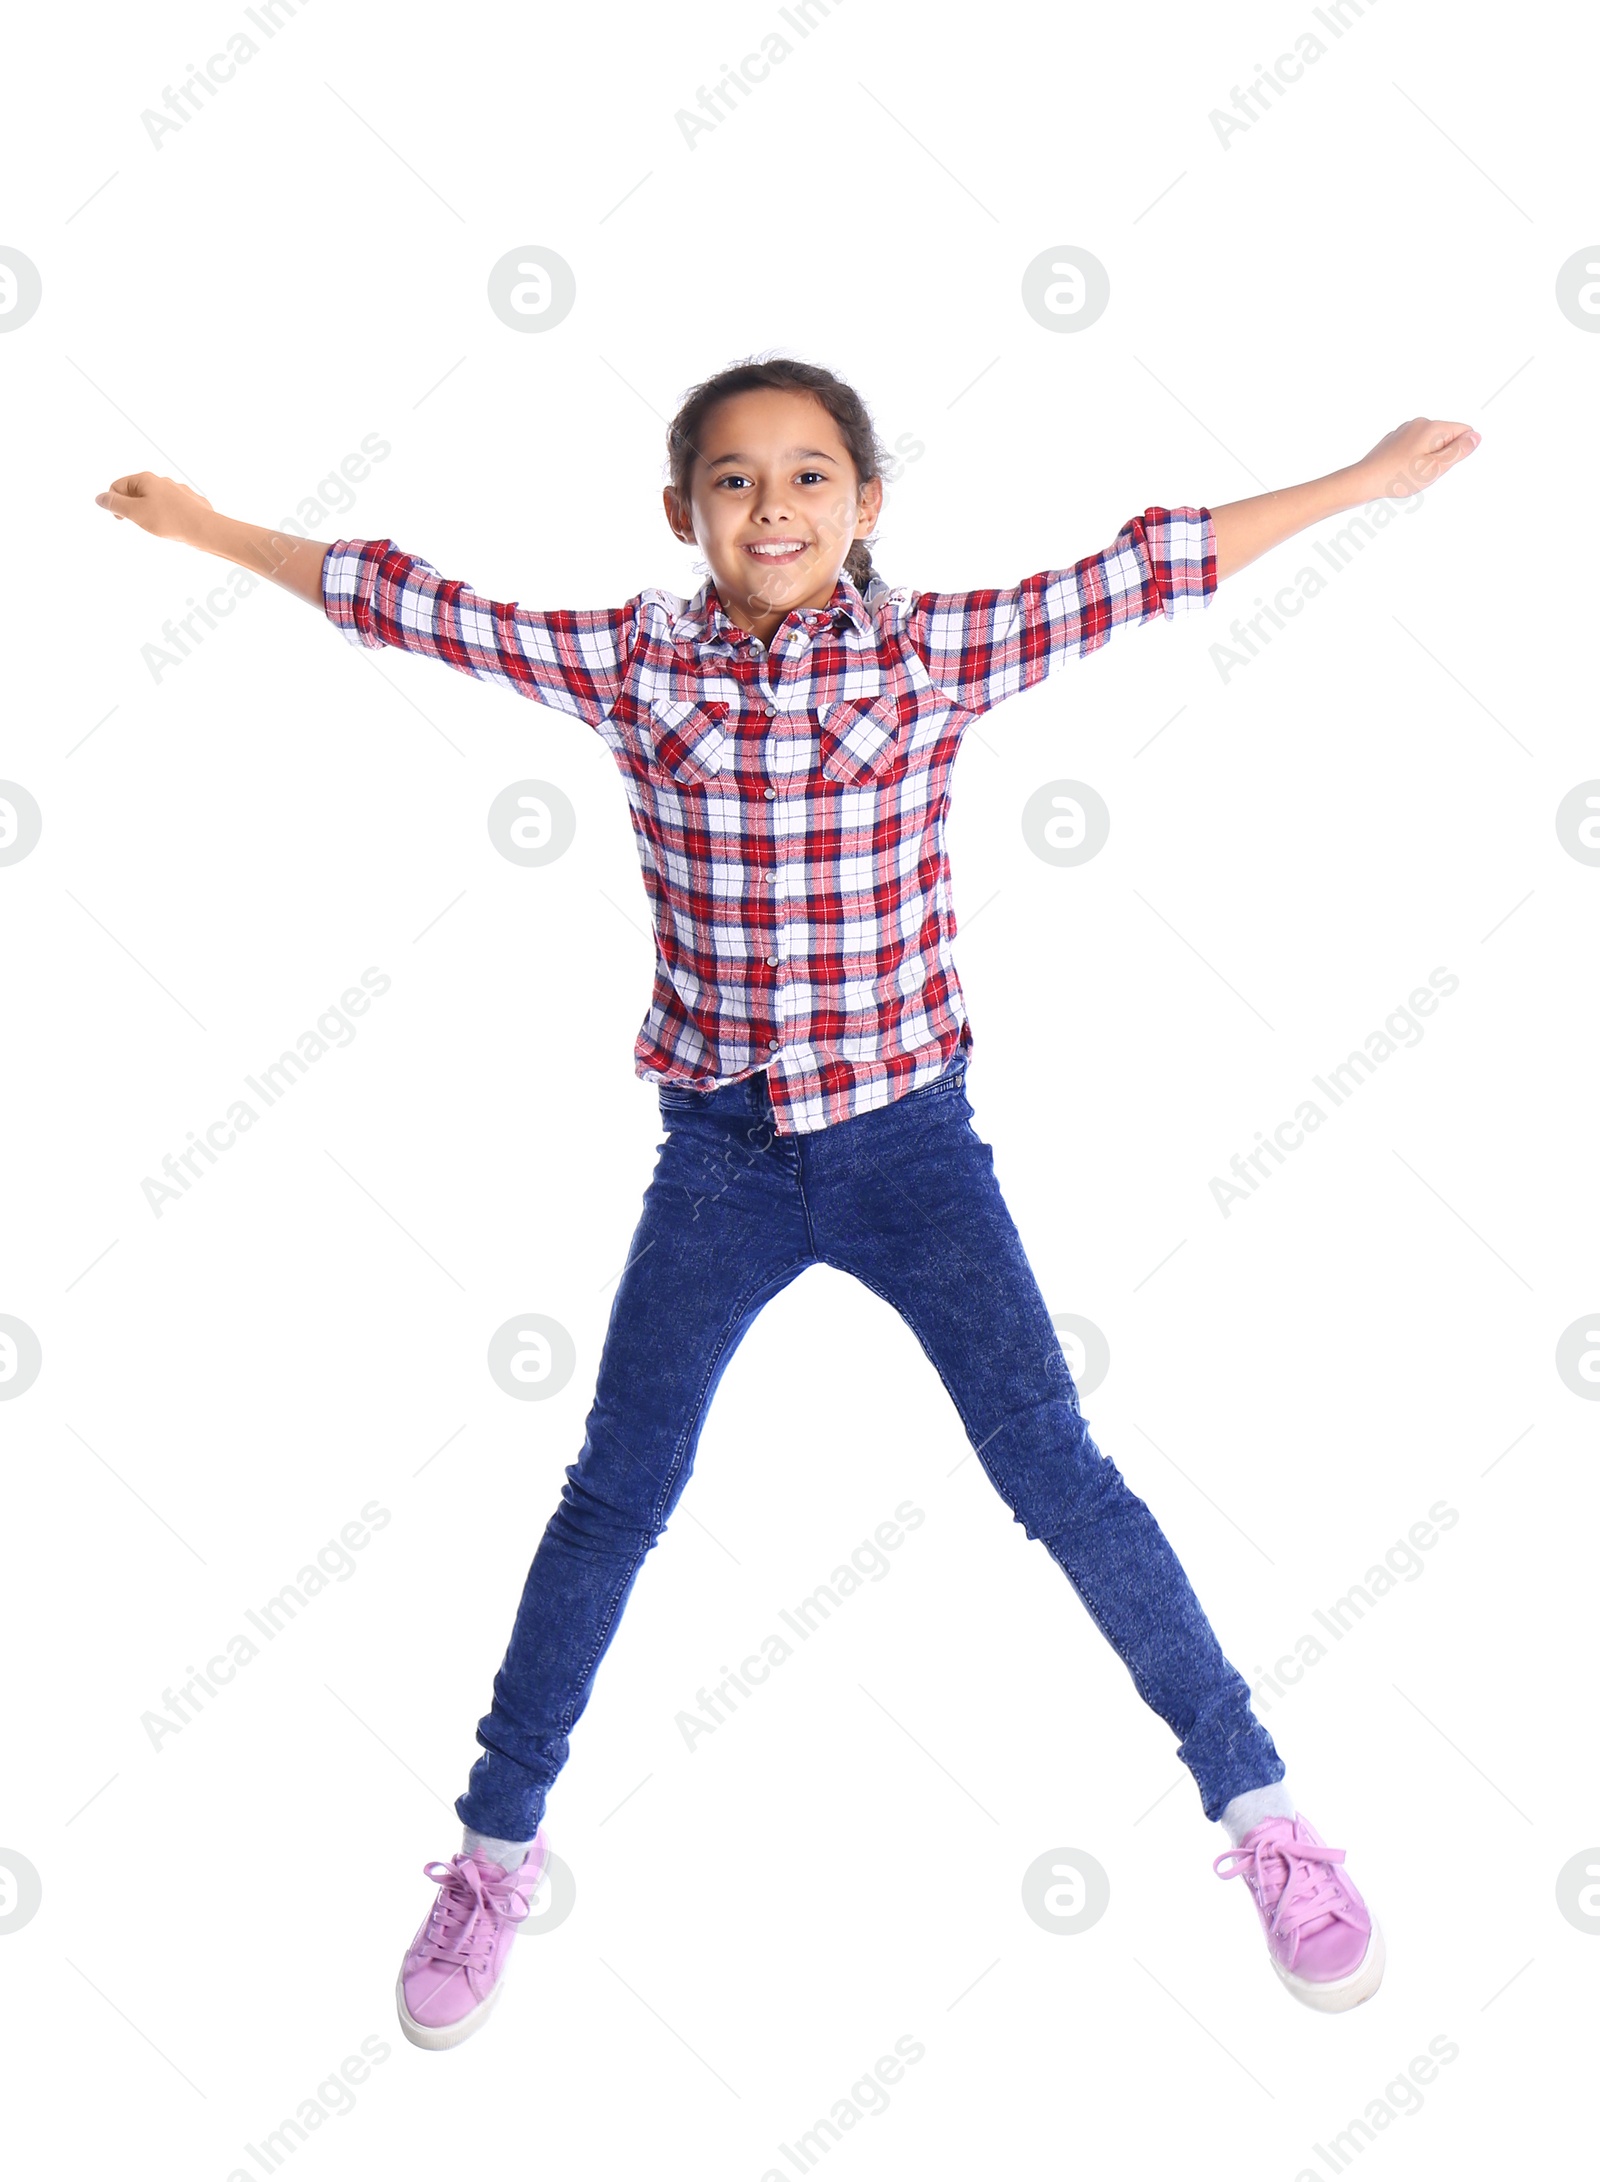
1411	456
159	505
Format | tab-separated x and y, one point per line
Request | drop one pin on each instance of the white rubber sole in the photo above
437	2039
1337	1994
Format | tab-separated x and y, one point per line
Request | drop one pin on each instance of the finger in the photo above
1445	457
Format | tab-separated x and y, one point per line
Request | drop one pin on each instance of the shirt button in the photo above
769	712
770	877
772	962
769	793
773	1044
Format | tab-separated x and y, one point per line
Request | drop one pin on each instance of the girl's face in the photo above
773	504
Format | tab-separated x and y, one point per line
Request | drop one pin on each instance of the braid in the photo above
858	566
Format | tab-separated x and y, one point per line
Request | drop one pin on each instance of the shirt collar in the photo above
705	621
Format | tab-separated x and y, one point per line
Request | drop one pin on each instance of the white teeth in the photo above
772	553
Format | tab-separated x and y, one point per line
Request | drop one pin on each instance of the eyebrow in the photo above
820	453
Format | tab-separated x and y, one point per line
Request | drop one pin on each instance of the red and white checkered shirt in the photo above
789	800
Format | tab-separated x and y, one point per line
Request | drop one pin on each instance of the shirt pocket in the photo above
860	739
687	739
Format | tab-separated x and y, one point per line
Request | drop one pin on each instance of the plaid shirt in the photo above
789	800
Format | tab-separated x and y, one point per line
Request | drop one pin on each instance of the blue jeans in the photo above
904	1198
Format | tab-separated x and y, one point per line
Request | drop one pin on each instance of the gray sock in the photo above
507	1854
1253	1806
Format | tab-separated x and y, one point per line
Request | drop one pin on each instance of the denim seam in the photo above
805	1206
922	1343
696	1414
978	1447
927	1090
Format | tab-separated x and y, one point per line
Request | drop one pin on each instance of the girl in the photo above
786	738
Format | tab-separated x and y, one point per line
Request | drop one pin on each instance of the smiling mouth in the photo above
778	555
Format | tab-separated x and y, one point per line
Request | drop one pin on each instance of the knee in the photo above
618	1515
1049	1469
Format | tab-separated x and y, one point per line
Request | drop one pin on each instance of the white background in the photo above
225	850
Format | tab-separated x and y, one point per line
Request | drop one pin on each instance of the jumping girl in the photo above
786	738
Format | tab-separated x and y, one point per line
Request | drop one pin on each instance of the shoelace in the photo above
1309	1894
468	1914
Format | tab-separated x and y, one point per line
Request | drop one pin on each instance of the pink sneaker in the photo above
454	1968
1320	1934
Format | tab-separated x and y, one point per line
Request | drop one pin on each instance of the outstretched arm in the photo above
1405	460
375	594
167	509
980	647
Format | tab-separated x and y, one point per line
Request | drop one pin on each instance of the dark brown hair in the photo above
843	404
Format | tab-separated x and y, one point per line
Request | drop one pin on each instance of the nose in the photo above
773	507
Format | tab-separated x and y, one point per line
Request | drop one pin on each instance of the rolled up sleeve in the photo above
573	660
980	647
